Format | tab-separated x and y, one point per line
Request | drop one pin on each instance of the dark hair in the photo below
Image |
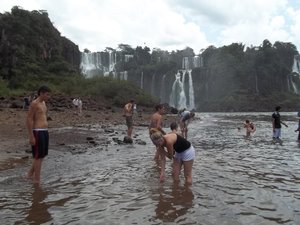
277	108
132	101
43	89
247	121
173	126
159	106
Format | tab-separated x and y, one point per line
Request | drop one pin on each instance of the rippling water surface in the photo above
236	180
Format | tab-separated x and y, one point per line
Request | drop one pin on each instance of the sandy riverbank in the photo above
14	136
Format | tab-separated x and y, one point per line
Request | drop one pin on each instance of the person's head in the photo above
174	126
277	108
160	108
157	137
247	121
44	92
192	114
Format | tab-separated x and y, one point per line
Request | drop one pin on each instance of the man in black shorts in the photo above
37	126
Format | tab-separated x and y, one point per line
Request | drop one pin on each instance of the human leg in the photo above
187	167
162	158
176	169
37	170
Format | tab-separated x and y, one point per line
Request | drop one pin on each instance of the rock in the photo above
127	140
140	142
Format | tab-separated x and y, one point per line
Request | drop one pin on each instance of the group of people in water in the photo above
172	145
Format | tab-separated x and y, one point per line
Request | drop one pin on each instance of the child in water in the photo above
250	128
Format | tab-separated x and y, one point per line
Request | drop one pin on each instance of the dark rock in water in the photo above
89	138
140	142
128	140
108	130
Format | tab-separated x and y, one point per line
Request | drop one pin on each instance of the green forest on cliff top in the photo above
33	52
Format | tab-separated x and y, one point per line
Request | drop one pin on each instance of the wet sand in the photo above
14	136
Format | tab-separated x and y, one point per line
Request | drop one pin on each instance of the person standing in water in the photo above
128	113
184	153
156	122
37	126
276	124
185	117
250	128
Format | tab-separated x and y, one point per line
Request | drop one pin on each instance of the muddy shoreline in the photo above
68	130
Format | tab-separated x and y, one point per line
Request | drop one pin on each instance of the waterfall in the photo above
177	97
295	74
153	85
293	84
98	63
123	75
191	91
163	90
185	63
87	64
296	65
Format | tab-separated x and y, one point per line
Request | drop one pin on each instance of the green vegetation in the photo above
32	52
231	78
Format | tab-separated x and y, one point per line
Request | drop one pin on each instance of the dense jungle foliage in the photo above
232	78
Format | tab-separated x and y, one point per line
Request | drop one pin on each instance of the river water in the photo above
236	180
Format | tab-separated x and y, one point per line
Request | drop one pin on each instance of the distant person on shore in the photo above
77	102
156	122
185	117
250	128
26	102
184	153
37	126
276	124
128	114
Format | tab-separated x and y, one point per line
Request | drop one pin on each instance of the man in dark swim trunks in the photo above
37	126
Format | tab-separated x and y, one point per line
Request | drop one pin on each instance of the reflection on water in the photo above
38	212
173	203
236	180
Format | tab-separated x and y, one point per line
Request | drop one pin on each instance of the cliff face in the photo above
31	46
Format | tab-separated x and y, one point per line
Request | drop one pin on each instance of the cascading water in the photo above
177	97
162	94
98	63
191	91
182	95
292	86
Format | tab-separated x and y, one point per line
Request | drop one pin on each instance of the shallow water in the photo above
236	180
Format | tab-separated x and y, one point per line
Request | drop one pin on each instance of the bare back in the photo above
155	121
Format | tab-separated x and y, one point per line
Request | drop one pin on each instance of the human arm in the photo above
284	124
30	122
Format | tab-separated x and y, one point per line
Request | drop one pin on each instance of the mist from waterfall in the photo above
292	86
177	97
98	63
180	97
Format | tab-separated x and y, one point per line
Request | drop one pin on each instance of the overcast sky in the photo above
169	24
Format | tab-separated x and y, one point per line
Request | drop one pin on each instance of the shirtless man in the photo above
156	122
128	113
37	126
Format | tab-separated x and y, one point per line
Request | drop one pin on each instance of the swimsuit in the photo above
40	149
184	151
